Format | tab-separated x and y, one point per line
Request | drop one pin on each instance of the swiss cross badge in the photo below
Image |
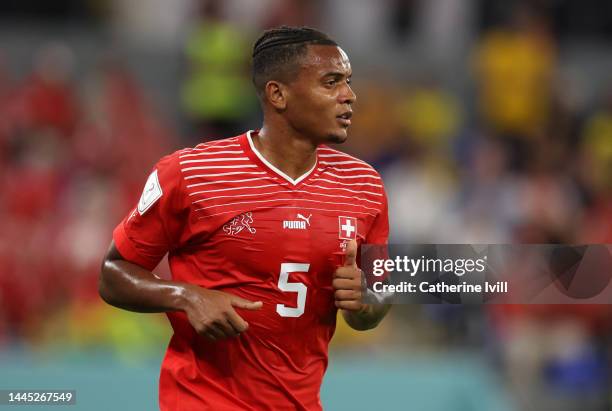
347	228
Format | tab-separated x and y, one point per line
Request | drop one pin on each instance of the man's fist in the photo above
211	313
348	281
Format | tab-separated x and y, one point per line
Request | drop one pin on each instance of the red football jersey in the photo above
231	221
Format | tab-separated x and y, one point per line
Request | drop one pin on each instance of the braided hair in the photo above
277	52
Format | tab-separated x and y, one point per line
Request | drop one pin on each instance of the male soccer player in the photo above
262	233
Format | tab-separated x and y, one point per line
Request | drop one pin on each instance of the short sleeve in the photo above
155	225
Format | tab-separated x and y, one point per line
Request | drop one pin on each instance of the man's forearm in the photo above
131	287
367	318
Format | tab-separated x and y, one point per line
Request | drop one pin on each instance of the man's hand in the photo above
348	282
350	286
212	312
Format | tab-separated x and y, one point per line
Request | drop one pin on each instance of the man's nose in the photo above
348	96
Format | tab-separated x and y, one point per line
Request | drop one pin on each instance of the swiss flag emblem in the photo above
347	228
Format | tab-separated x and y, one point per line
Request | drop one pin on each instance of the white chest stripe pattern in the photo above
346	184
233	173
210	153
339	163
284	199
288	207
217	167
221	179
354	176
352	169
211	160
209	146
345	189
224	181
232	188
284	192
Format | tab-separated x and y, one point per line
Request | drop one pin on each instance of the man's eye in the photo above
349	81
331	82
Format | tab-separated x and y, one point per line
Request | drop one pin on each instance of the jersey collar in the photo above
250	149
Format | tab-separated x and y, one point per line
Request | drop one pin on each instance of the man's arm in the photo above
128	286
350	287
366	318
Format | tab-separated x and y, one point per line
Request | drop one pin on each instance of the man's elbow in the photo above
360	324
366	320
105	281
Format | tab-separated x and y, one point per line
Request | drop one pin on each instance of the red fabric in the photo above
200	219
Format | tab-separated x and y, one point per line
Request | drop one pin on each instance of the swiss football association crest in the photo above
239	223
347	228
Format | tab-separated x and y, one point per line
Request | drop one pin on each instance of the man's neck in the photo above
292	155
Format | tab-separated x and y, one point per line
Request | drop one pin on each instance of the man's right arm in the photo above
128	286
131	287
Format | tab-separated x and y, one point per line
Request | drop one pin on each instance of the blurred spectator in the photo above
514	66
6	89
401	18
421	178
160	23
66	170
486	205
420	191
217	93
48	95
293	13
549	197
597	146
429	115
595	165
122	122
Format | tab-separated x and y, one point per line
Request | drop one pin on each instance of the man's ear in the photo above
276	93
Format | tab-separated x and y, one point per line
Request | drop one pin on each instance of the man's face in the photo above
319	100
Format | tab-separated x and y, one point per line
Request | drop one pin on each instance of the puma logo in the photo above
302	223
307	219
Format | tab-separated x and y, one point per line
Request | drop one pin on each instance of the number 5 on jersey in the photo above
299	288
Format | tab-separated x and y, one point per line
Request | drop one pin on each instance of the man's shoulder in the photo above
340	161
230	143
209	149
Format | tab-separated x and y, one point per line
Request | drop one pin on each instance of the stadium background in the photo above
490	121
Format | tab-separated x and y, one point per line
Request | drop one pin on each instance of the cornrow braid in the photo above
277	52
285	35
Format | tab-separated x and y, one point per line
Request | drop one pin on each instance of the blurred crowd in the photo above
515	158
519	161
72	157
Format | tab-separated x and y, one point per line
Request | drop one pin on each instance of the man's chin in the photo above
338	137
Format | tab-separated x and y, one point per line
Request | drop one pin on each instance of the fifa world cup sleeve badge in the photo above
151	193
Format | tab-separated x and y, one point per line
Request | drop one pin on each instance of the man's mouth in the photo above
345	118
